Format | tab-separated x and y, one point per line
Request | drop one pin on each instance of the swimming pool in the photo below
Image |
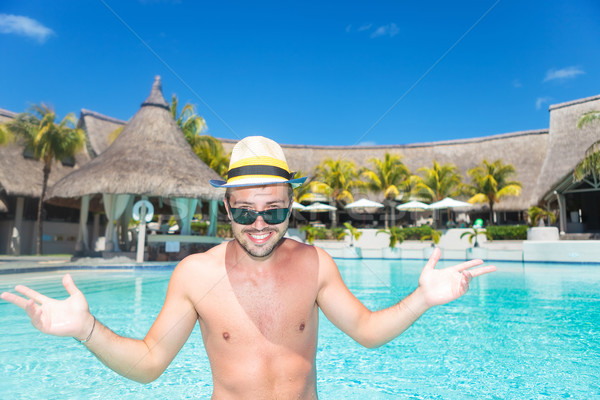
526	331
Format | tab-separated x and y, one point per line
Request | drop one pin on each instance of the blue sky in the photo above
310	72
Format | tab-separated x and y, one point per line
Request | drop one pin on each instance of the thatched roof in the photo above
566	143
524	150
97	128
6	115
150	157
22	176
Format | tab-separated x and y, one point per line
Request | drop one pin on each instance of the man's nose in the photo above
259	223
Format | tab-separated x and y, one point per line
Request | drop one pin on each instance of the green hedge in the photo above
416	233
508	232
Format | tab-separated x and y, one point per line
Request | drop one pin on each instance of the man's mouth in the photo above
259	237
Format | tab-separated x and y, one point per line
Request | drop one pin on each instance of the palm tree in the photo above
49	142
590	165
5	134
389	176
490	182
437	183
190	123
336	179
211	151
207	148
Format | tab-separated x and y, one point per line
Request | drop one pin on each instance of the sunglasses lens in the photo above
275	216
247	217
243	216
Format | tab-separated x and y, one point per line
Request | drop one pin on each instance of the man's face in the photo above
259	239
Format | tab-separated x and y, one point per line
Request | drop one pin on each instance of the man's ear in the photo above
226	204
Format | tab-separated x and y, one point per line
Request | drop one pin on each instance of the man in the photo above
256	298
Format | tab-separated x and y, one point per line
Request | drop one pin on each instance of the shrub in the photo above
395	233
416	233
507	232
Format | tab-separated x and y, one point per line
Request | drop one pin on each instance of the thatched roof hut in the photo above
524	150
102	126
150	157
566	144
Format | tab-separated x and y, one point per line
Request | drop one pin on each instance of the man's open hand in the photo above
441	286
69	317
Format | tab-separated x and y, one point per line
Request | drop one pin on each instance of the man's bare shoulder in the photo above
202	265
299	251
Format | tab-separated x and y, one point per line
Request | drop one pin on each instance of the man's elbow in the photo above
370	341
145	378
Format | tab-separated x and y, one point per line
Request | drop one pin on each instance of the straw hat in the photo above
255	161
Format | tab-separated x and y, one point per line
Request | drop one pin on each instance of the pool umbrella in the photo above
298	206
319	207
449	203
413	206
364	206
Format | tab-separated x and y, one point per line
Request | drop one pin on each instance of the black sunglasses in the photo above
244	216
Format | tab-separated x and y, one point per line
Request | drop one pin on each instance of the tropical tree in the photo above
336	179
188	120
395	234
211	151
49	142
590	165
388	176
474	233
537	214
437	183
6	135
490	182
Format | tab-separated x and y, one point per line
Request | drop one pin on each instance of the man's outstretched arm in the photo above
373	329
140	360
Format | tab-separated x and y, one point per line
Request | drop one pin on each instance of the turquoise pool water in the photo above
526	331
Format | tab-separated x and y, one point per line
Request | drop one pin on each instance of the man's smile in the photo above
260	237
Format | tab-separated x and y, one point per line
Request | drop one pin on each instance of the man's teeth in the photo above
259	236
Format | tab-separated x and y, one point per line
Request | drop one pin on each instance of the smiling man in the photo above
256	298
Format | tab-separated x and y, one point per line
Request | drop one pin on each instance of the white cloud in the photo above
390	30
564	73
540	101
365	27
24	26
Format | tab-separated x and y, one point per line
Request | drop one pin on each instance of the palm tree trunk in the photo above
491	213
386	224
38	239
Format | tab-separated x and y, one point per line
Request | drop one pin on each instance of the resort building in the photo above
544	161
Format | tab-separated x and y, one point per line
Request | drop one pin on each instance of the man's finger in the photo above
469	264
433	259
13	298
32	294
482	270
69	284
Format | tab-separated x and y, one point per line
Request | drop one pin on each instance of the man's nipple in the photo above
301	327
226	336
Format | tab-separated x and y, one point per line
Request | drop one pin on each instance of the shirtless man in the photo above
256	298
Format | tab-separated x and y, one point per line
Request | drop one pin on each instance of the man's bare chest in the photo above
271	307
